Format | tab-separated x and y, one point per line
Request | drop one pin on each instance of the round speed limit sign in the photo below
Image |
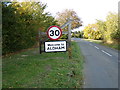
54	32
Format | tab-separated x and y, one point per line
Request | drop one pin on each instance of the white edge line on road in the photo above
106	53
96	47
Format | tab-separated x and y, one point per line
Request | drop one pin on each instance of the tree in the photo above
92	32
77	34
107	30
62	18
20	26
102	28
112	33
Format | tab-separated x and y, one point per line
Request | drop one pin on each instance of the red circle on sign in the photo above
51	36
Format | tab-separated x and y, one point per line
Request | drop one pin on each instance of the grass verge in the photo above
29	69
111	45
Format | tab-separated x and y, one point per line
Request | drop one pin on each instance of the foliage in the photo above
62	18
106	30
92	32
102	28
21	21
64	36
78	34
112	27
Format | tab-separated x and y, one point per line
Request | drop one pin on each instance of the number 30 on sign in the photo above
54	32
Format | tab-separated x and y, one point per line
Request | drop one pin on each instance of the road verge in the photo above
29	69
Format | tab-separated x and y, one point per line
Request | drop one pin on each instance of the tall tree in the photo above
62	18
20	26
102	28
108	30
112	33
92	32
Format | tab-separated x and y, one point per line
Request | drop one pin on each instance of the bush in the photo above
64	36
20	26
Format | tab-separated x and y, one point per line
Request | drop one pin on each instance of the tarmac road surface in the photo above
101	65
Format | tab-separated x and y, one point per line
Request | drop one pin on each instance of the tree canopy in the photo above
21	21
92	32
112	26
63	16
106	30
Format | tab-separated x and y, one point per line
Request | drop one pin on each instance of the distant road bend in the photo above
101	65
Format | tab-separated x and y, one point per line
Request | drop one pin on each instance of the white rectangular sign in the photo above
55	46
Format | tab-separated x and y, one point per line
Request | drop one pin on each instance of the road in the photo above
101	65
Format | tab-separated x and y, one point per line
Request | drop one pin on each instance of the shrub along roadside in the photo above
49	70
107	30
20	26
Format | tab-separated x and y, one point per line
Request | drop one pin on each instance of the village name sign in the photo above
54	33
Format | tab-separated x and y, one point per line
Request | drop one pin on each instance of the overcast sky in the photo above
87	10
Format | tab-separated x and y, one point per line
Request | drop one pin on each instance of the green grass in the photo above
114	45
29	69
111	45
95	41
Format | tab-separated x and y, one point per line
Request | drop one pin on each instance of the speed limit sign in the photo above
54	32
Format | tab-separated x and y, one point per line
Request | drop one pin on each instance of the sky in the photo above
87	10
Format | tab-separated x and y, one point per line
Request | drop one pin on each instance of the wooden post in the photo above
69	33
40	51
69	41
74	34
69	36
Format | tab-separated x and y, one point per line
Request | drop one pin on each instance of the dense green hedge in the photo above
21	22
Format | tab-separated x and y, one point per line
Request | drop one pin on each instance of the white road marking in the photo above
96	47
106	53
